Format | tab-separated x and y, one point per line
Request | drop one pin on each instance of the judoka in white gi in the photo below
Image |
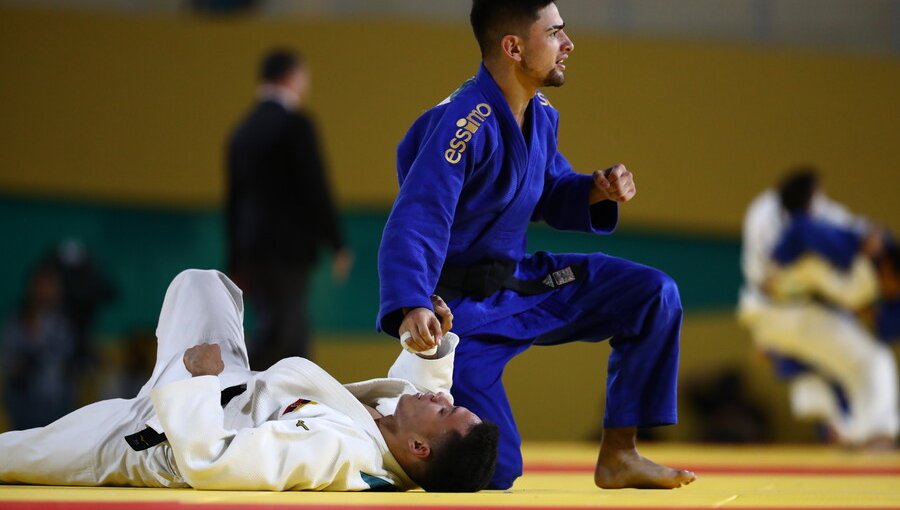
805	311
294	427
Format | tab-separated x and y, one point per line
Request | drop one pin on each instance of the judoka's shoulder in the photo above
457	122
764	204
466	103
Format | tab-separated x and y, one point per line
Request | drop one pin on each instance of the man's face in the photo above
433	416
298	82
546	47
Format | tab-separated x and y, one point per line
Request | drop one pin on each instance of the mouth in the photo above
561	62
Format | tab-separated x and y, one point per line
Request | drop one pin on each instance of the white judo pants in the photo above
839	348
87	446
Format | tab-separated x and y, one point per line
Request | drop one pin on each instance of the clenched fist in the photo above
616	184
426	328
204	359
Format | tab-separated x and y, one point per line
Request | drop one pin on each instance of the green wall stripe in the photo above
142	248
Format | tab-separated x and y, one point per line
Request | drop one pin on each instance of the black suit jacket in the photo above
279	207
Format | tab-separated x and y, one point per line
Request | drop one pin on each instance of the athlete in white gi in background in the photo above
293	428
777	305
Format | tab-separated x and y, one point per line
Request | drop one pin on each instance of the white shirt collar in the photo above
281	95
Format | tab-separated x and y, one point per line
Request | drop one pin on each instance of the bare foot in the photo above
880	444
620	466
877	444
628	469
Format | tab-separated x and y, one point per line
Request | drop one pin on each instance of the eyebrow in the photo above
556	27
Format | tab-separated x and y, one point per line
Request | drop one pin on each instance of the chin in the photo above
555	79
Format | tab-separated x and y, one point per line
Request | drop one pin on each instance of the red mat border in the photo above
715	469
169	505
173	505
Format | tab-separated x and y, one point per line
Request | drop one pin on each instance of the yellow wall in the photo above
136	108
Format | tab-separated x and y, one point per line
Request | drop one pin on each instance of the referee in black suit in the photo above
279	211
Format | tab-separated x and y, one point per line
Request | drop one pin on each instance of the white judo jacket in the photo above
294	428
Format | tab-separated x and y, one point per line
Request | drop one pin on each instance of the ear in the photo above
419	448
512	47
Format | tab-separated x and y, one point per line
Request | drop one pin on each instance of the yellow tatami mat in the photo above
559	475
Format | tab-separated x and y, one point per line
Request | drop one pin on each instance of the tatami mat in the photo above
559	475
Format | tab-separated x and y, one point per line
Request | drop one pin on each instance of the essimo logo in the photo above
467	125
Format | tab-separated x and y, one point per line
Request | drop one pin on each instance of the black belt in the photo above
481	280
148	437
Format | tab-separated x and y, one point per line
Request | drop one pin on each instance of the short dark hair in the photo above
493	19
797	189
462	463
278	63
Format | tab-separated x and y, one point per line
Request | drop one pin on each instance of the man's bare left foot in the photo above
620	466
880	444
621	469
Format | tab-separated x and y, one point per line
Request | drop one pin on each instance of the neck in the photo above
280	94
386	426
517	90
394	442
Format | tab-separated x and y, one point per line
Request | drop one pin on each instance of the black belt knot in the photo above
148	438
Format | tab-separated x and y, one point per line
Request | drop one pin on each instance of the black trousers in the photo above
278	296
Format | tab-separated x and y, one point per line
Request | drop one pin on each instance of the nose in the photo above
440	397
567	45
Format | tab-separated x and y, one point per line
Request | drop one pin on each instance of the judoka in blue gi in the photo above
841	249
473	172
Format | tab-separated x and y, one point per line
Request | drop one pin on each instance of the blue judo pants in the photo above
637	307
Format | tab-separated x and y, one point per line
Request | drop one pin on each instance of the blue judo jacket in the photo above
470	182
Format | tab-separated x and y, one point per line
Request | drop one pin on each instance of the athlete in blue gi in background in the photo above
473	172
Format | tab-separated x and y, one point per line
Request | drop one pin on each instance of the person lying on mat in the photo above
205	420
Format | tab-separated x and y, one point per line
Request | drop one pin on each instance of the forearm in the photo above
412	254
572	203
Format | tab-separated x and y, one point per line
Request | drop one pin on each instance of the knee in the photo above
654	302
502	481
665	289
196	276
204	278
208	281
191	279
